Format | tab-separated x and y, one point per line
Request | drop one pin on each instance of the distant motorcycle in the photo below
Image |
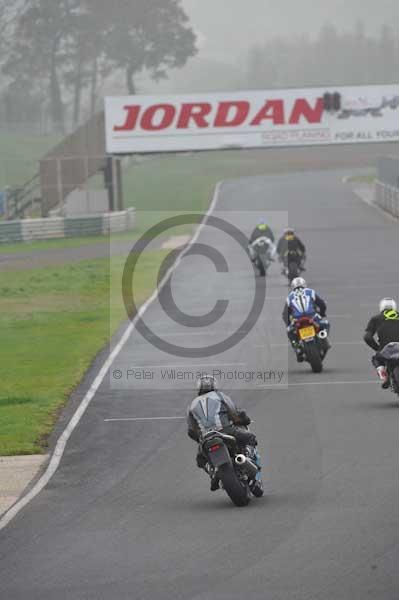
236	470
264	254
312	338
390	353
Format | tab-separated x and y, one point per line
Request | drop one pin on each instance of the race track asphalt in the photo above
128	516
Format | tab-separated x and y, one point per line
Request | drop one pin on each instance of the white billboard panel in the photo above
252	119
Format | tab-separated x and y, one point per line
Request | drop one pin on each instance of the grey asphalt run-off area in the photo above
129	516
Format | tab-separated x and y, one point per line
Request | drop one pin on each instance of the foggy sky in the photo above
230	27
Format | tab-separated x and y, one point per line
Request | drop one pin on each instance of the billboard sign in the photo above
252	119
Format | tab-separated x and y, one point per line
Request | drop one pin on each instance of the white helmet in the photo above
387	304
298	282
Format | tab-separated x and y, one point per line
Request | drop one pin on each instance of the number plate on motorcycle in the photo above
307	332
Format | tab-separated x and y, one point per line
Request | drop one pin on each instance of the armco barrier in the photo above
27	230
387	197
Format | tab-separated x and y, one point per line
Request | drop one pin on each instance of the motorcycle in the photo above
292	265
390	353
236	470
264	251
312	338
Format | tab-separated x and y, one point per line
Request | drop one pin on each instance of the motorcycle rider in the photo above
384	326
302	301
213	410
290	243
261	230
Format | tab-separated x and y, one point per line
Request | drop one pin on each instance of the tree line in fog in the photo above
55	55
332	58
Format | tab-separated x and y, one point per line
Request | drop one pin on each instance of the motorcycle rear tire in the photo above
313	355
261	267
293	271
237	491
395	380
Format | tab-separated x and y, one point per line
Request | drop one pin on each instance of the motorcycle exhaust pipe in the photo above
247	465
323	334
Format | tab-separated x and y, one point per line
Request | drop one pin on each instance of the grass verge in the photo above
53	322
368	179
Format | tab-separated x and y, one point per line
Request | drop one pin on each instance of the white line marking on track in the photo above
181	365
333	343
306	383
66	434
144	419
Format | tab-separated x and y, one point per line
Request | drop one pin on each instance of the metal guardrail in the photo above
26	230
387	197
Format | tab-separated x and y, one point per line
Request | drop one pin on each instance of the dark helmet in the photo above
205	384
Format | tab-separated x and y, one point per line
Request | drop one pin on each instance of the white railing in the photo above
26	230
387	197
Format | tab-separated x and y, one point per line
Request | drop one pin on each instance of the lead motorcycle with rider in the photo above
261	247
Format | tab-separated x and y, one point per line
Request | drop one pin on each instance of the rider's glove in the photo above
243	418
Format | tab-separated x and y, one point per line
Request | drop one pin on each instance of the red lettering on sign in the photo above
194	112
273	110
302	108
234	113
166	112
231	114
131	118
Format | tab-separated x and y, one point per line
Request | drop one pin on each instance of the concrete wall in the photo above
86	202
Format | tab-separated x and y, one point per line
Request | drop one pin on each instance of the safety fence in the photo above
387	197
26	230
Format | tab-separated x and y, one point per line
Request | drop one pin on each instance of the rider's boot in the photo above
383	375
215	482
298	351
256	486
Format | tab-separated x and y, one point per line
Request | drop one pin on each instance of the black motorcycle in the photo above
235	469
264	249
292	265
390	353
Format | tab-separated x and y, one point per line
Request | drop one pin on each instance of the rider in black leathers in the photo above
290	243
384	326
261	230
